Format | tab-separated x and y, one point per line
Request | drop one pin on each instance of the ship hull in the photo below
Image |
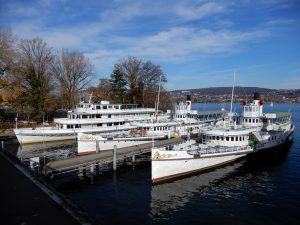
166	170
168	165
48	134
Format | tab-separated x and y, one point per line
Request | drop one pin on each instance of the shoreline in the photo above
45	203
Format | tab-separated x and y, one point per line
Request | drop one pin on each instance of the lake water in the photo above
261	189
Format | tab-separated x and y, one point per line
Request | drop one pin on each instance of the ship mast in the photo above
90	98
157	103
230	113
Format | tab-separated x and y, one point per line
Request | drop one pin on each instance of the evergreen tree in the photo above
118	85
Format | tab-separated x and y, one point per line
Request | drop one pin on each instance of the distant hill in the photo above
226	90
220	94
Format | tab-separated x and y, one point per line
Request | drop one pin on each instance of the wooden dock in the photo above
104	157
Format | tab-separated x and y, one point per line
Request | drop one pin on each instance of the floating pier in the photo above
89	162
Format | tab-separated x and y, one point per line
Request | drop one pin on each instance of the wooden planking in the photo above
106	156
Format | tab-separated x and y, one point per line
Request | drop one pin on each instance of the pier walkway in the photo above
105	157
22	202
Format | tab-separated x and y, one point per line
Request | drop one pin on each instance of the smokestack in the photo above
256	96
189	98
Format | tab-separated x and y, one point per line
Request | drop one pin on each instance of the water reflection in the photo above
174	195
247	181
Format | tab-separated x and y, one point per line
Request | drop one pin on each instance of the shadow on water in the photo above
242	186
243	182
256	185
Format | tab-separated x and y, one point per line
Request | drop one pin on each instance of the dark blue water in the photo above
261	189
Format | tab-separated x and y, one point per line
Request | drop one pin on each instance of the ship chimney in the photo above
188	102
256	96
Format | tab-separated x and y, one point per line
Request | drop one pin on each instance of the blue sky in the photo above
197	43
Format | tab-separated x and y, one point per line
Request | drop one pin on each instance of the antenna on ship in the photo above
230	113
157	103
90	98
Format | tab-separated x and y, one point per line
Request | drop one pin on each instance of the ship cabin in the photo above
252	113
90	115
220	138
277	121
183	111
277	118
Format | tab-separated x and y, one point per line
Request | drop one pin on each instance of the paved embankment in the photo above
7	134
24	201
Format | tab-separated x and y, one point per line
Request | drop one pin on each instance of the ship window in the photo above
84	116
98	115
68	126
116	107
246	120
213	137
232	138
227	138
236	138
98	107
109	115
218	138
109	124
105	107
99	124
116	123
222	138
110	107
240	138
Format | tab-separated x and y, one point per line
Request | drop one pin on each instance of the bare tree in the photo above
7	51
142	79
151	77
73	72
131	69
35	58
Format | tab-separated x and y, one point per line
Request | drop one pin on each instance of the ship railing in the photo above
219	149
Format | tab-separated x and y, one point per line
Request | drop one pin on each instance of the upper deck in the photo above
106	108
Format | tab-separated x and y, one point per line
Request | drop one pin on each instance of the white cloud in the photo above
178	45
180	42
279	21
14	9
172	32
198	11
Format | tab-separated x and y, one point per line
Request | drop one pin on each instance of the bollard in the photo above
92	169
84	171
97	168
115	158
97	146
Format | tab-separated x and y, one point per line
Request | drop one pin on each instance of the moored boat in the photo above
183	121
224	143
88	117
